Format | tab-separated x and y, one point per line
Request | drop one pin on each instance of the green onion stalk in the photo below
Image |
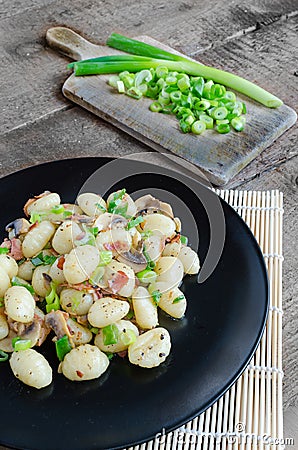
148	56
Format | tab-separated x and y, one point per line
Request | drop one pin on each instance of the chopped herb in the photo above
21	261
52	299
3	356
105	257
178	299
183	240
15	281
100	207
57	209
94	330
110	355
4	250
110	334
113	206
67	214
128	337
21	344
63	347
134	222
156	296
1	302
43	260
146	234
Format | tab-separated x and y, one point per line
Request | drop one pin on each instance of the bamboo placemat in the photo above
249	415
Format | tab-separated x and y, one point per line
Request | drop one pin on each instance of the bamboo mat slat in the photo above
250	415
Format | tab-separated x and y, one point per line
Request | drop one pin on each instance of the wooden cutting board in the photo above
220	156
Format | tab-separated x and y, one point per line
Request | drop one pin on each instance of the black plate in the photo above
210	347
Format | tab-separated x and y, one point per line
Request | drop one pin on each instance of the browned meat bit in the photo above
57	321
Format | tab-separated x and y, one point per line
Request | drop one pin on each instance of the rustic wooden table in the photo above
256	39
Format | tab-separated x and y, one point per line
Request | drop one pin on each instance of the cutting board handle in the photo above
71	44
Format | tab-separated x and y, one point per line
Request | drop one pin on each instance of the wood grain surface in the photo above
256	39
220	157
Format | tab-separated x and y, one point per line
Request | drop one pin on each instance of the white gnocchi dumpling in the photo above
173	302
123	326
80	263
4	282
75	302
154	246
40	285
172	249
44	203
117	241
150	348
85	362
4	329
25	270
37	238
80	335
9	265
190	260
56	273
144	308
106	311
64	237
120	278
159	224
19	304
91	204
169	270
31	368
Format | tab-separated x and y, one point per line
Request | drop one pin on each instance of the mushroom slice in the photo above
108	221
57	320
150	204
17	227
134	259
32	332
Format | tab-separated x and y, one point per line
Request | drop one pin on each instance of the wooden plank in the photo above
10	8
32	74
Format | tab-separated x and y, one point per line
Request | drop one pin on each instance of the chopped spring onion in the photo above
93	231
238	123
156	296
223	128
105	257
150	263
52	299
94	330
120	86
3	356
57	209
146	234
110	355
183	240
127	337
100	207
20	344
134	222
220	113
113	206
178	299
35	217
4	250
43	260
110	334
198	127
146	276
1	302
16	281
97	275
63	347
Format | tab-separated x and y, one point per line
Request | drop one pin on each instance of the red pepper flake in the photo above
79	373
61	262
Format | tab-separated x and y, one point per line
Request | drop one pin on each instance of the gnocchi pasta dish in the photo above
92	277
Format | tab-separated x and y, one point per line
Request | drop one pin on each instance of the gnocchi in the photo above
98	274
